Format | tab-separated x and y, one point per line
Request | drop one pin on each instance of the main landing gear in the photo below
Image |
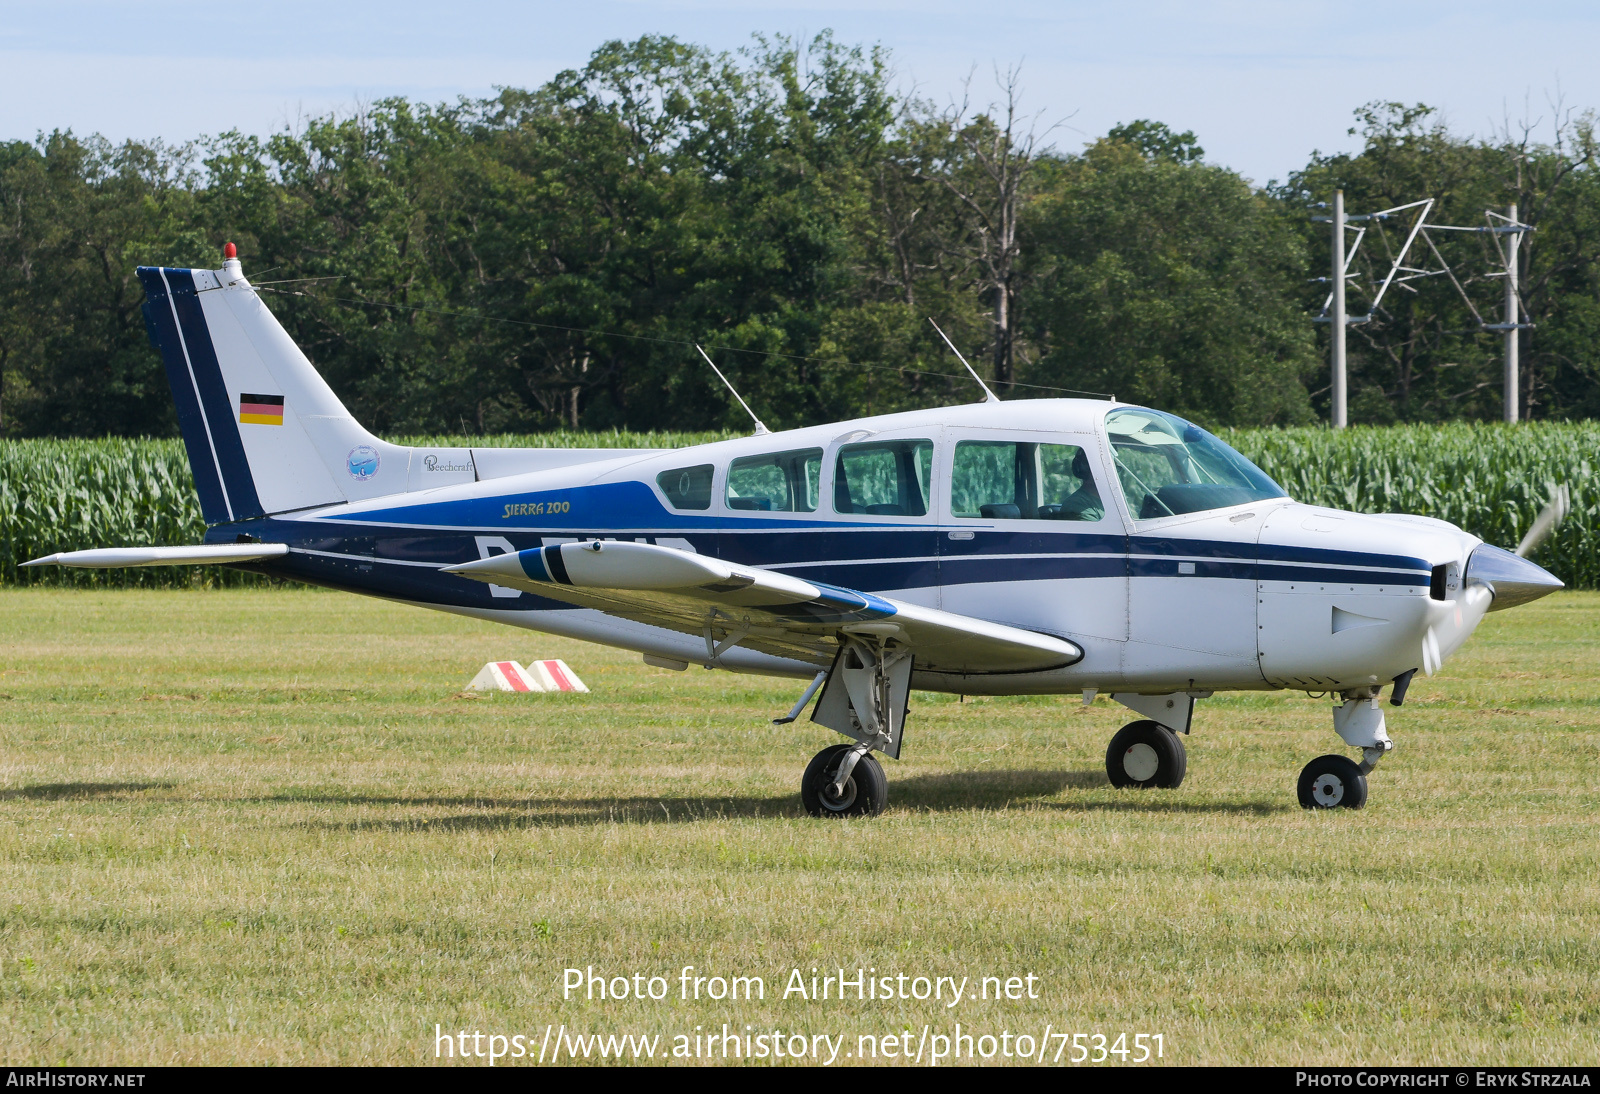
864	698
1146	753
844	781
1150	752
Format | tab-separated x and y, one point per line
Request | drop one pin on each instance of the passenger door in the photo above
1028	537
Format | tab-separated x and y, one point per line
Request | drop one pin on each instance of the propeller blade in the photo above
1549	518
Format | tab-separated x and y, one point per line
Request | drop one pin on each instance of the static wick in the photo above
991	397
760	425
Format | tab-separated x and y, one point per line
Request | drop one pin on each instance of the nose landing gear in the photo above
1336	782
1332	782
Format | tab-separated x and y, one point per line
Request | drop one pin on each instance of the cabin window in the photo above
883	478
782	482
1021	480
687	487
1168	466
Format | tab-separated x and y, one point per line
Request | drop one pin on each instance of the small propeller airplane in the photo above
1050	546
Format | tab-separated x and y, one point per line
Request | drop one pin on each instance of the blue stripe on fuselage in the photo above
402	561
1160	545
616	507
1338	576
632	508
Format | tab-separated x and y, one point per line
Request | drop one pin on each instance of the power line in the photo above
1340	274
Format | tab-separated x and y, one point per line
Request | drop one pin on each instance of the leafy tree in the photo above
1156	141
1167	282
80	214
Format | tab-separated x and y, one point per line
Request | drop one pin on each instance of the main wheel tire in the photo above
1332	782
1146	754
865	793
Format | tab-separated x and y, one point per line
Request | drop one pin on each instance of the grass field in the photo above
262	826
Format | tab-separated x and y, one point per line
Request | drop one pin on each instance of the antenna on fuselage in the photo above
992	397
760	425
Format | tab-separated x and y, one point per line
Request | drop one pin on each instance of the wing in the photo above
761	609
204	554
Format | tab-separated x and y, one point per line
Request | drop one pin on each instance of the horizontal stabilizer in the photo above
205	554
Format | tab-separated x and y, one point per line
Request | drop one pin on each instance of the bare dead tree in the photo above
992	155
899	221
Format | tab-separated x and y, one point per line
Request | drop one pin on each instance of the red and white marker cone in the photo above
556	676
504	676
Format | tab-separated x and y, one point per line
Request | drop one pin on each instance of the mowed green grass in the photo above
264	826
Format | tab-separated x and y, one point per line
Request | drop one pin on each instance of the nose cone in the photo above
1511	578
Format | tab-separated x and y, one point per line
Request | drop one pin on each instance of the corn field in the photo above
67	495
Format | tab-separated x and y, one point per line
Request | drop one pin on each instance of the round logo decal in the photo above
362	462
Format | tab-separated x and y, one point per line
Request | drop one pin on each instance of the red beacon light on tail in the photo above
229	251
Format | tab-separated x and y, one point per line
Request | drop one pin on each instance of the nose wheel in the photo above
1332	782
863	793
1146	754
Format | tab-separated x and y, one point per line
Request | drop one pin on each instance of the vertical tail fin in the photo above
265	432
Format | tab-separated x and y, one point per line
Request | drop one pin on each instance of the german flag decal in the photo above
261	409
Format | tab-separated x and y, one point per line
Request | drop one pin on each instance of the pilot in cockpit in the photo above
1083	503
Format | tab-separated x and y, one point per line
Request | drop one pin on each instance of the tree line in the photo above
549	258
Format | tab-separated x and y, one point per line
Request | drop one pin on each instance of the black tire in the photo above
1183	758
1332	782
866	791
1146	754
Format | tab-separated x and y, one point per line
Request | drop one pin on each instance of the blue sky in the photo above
1261	84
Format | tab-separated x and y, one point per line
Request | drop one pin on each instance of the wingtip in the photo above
45	561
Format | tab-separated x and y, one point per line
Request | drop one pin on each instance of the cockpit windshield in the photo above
1168	466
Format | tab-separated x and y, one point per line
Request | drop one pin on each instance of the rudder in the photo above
216	454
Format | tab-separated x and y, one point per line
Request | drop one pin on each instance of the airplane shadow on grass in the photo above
945	793
81	791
